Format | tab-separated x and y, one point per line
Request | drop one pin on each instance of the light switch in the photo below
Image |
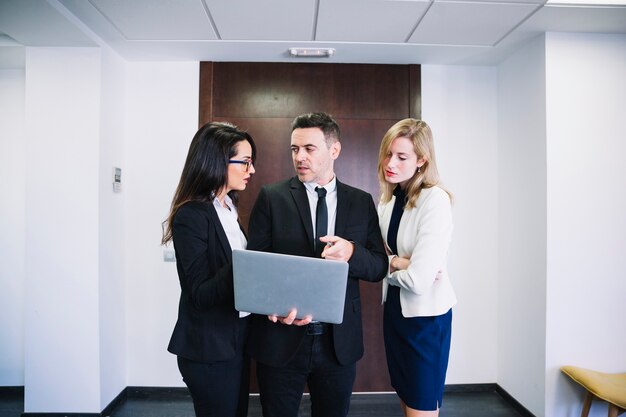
169	255
117	179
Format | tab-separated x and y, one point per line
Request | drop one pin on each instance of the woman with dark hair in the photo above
210	334
416	221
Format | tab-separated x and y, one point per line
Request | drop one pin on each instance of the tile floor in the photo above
177	403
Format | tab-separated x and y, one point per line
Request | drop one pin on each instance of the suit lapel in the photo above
298	192
221	235
343	209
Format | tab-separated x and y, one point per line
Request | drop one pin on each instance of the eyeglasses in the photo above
246	163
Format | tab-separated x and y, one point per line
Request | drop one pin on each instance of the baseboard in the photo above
118	400
63	415
469	388
11	391
142	392
516	404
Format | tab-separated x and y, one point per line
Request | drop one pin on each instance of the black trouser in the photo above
219	389
330	383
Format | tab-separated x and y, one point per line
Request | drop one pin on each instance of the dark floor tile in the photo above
476	404
160	402
177	403
362	405
11	401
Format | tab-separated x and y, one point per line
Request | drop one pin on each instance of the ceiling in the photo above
360	31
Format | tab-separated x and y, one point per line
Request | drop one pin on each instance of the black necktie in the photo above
321	220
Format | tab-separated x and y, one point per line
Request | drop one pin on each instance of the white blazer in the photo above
424	237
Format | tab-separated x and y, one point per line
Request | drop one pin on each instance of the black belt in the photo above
317	328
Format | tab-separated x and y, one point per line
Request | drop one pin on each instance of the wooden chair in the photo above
608	387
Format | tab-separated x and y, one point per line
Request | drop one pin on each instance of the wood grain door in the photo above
264	98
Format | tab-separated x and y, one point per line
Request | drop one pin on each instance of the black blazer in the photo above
206	329
281	222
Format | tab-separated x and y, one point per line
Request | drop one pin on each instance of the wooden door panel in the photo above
371	370
355	91
263	98
272	137
358	160
266	90
369	92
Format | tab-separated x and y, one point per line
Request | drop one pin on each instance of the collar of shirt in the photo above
228	219
227	201
331	187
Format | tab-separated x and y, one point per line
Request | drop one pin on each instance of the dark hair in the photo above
323	121
206	168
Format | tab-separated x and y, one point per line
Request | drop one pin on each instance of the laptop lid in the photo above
272	283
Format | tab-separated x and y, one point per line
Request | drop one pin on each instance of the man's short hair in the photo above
322	121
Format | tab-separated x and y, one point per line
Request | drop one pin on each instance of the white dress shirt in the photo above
331	205
228	218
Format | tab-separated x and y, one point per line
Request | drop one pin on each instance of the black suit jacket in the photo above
281	222
206	329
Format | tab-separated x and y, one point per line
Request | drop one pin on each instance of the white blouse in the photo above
228	219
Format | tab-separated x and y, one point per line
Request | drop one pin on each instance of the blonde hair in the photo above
419	133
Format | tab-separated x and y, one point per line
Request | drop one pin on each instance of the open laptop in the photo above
272	283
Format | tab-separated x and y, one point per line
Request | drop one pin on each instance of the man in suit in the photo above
293	352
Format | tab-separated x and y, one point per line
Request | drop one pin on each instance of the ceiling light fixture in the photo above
312	52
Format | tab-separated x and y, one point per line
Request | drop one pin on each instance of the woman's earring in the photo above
419	169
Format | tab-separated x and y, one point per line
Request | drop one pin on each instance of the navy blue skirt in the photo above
417	351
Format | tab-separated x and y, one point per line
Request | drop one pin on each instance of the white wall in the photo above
61	320
460	105
562	227
521	250
163	117
111	245
75	133
586	212
12	227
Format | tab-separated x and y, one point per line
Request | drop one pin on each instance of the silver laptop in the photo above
272	283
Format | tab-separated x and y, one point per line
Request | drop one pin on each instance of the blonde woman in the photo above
415	220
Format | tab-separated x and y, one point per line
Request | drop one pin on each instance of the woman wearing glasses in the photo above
209	335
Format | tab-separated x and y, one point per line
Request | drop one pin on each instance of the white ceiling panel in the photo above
578	19
95	22
158	20
465	23
467	32
37	23
505	1
368	21
285	20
